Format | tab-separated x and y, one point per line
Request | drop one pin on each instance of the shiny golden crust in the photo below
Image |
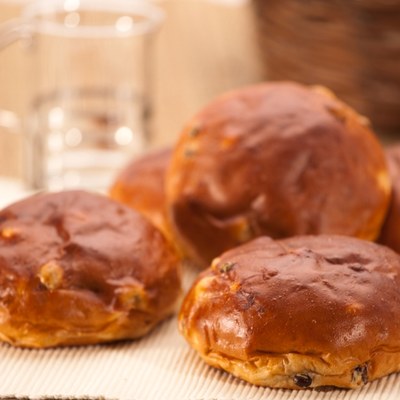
276	159
141	185
78	268
301	312
390	234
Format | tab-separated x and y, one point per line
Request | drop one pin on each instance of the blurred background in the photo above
205	47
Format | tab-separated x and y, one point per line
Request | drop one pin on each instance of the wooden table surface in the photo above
204	48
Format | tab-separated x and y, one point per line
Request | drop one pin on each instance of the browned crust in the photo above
141	185
322	307
79	268
275	159
390	234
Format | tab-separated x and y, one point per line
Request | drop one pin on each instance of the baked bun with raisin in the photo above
79	268
302	312
141	185
390	234
277	159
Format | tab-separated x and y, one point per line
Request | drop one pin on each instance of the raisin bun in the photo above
390	234
277	159
302	312
79	268
141	185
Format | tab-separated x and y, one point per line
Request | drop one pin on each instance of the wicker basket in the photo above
350	46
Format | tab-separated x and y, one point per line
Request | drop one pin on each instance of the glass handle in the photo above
11	31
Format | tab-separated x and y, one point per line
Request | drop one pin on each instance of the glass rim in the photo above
152	16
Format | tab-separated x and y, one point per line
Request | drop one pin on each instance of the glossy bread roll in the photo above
297	313
141	185
390	234
78	268
275	159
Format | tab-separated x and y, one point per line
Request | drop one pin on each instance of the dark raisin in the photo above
250	299
302	380
188	153
194	131
360	373
357	267
226	267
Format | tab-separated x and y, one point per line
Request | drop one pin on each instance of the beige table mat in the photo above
159	366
